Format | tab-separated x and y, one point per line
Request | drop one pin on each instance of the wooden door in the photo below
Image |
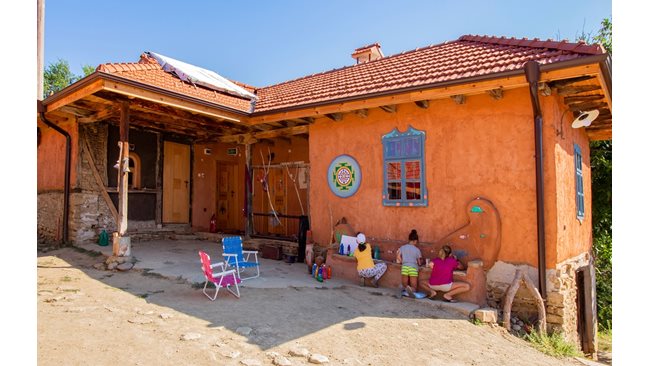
227	197
176	183
278	190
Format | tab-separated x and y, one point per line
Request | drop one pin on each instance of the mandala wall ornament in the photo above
344	176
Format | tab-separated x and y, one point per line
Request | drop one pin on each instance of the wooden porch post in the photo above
122	242
249	193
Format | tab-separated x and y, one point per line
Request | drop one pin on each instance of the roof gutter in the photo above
532	70
40	107
544	68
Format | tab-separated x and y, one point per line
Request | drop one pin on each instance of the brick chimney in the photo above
367	53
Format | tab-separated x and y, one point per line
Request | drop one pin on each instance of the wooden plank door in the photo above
227	197
176	183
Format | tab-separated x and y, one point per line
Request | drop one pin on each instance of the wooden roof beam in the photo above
337	117
496	94
587	106
424	104
282	132
363	112
571	90
390	108
582	98
106	113
459	98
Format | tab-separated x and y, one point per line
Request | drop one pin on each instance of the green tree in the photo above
601	201
57	76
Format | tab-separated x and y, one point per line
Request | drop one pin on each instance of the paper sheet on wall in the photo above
349	240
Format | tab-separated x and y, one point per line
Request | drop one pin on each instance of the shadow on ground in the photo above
284	304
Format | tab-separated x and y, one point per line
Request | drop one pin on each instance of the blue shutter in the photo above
580	195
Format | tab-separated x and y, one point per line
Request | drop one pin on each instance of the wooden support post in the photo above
249	191
121	242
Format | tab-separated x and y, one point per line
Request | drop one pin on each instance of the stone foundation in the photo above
49	216
561	288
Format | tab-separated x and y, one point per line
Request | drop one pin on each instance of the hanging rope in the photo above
293	179
265	184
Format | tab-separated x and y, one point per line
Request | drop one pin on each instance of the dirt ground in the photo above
88	316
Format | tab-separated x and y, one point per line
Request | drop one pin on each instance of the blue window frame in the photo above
404	173
580	195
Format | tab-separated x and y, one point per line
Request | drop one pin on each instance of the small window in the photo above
404	168
580	195
134	168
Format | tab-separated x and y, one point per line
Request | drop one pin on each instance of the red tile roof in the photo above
148	71
467	57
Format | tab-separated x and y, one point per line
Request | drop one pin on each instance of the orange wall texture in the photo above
484	147
51	156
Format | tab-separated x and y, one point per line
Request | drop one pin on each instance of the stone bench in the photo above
346	267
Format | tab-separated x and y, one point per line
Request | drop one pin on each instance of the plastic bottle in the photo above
348	253
341	249
375	253
313	270
324	271
103	238
329	272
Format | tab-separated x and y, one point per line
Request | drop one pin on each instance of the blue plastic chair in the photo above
233	254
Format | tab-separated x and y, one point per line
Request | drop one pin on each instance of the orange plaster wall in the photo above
571	237
484	147
51	156
204	194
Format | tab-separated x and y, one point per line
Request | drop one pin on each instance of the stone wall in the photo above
49	215
561	288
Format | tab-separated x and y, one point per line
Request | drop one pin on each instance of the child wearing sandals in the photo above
409	255
442	275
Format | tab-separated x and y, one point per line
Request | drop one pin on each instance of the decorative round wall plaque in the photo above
344	176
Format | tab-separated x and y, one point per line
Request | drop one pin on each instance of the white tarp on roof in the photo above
200	76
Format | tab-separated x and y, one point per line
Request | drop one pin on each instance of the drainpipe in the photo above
66	183
531	69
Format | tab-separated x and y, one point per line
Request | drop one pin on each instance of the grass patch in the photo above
605	340
476	321
66	279
553	345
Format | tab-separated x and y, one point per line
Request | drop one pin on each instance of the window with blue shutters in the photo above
580	195
403	159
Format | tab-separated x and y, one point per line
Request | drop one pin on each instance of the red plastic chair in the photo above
224	278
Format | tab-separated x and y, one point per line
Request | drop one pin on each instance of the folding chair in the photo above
225	278
233	253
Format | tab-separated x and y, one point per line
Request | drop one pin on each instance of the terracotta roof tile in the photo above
469	56
148	71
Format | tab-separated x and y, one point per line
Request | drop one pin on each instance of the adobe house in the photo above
479	142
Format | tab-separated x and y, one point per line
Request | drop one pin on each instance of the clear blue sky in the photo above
266	42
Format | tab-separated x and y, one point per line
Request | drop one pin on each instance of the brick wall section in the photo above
561	287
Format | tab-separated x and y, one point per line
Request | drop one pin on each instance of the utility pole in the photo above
40	37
